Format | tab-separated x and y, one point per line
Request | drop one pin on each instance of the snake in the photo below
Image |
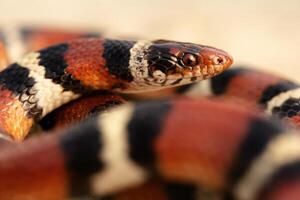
183	141
43	80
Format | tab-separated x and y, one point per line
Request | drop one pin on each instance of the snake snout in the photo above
215	60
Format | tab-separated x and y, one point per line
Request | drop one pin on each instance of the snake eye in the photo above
189	60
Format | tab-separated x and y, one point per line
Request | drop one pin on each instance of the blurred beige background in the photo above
264	34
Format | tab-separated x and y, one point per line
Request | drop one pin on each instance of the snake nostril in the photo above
219	60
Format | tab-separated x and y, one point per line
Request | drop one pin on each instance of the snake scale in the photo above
215	142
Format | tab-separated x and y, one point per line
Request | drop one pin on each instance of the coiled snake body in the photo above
212	142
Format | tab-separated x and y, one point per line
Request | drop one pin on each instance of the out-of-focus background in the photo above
264	34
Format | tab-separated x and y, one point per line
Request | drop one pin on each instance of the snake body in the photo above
275	95
211	149
186	142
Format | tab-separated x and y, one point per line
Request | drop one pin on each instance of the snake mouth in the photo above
197	73
183	76
179	76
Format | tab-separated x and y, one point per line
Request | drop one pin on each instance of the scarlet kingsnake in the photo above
214	143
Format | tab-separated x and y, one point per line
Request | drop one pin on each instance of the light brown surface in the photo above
261	33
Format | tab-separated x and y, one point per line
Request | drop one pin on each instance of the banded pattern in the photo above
253	88
48	78
80	110
279	97
96	153
85	107
261	158
284	183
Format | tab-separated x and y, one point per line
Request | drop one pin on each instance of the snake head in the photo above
171	63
